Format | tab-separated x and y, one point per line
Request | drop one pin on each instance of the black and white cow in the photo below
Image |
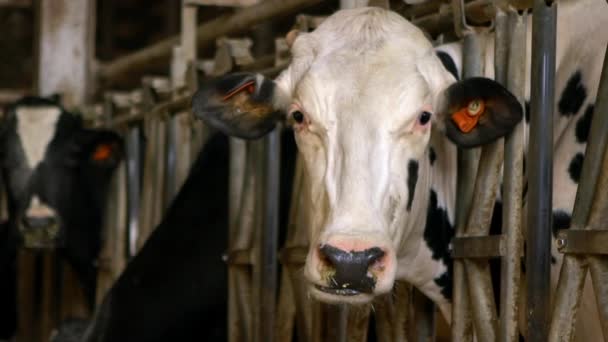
371	102
56	175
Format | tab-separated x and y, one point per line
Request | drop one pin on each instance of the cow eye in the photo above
424	118
297	116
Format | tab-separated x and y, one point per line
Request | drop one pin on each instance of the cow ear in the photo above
107	149
101	148
477	111
243	105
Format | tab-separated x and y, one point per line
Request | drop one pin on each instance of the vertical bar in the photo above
513	189
66	49
585	214
270	229
462	329
599	212
540	188
170	184
424	317
133	187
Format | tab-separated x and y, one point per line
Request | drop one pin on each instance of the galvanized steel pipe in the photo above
513	188
540	188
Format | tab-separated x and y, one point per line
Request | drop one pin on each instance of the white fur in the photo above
36	127
362	79
37	209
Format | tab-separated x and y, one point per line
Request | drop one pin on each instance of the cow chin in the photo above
336	297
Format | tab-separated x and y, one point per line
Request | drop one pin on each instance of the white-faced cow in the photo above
56	175
371	103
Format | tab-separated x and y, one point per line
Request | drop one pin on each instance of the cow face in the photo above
362	94
56	174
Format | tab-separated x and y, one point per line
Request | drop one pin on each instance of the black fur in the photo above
412	179
432	155
438	234
561	220
584	124
576	166
448	63
573	95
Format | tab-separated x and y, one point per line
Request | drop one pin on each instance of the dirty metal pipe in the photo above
170	183
585	215
206	34
133	186
540	188
598	217
270	232
513	188
467	170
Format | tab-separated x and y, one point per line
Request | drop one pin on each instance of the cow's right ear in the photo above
243	105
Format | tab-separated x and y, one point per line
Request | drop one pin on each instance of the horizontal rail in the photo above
483	247
588	241
207	33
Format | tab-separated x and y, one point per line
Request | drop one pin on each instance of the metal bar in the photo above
462	328
513	189
577	241
66	49
540	186
270	233
599	211
206	34
484	247
170	183
424	317
133	187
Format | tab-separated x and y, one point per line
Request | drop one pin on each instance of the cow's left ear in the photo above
477	111
102	148
244	105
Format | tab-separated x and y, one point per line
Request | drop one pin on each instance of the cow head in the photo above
362	94
56	174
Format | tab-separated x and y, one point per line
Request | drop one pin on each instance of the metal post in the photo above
269	238
598	218
513	189
467	171
133	186
587	214
66	48
540	186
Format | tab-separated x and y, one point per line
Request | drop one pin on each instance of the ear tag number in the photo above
467	117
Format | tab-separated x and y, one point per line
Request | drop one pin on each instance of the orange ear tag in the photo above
249	87
467	118
102	152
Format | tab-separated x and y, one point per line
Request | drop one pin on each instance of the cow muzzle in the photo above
350	271
40	227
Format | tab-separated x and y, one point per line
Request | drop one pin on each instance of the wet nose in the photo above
39	222
351	267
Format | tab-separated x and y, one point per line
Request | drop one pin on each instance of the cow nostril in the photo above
373	255
39	222
351	269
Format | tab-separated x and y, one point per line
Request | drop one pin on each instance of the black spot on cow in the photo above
445	282
527	110
575	167
432	155
412	179
438	234
584	124
573	96
561	220
448	63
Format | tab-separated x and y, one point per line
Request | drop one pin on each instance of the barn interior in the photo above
132	67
